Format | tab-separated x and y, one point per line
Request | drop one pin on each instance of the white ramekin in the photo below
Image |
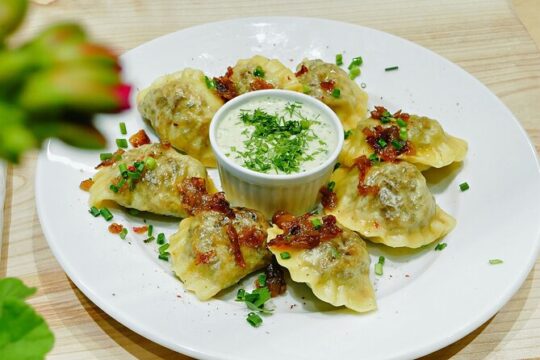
268	193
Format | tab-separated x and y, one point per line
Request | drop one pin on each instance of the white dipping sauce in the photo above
237	141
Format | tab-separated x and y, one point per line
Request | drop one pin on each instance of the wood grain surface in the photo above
485	37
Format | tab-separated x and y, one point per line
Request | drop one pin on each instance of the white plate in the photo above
426	299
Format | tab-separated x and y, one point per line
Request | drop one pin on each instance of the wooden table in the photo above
485	37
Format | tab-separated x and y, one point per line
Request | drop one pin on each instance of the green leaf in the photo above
24	335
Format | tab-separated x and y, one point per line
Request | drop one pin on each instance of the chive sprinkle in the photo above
210	83
163	248
123	233
337	166
254	320
106	214
122	143
105	156
495	261
285	255
382	143
150	239
133	212
259	72
354	72
339	59
403	135
164	257
150	229
331	185
336	93
356	62
347	134
123	129
374	158
94	211
161	239
317	223
261	280
464	186
440	246
396	144
150	163
379	266
391	68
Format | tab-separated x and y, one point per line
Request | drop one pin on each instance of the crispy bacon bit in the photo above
379	136
139	138
115	228
235	245
275	279
260	84
195	198
116	156
252	237
205	257
225	86
364	164
300	233
86	184
328	85
381	111
165	145
302	71
140	229
328	198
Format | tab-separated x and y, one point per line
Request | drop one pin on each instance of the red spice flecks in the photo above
328	198
387	135
195	198
225	86
260	84
115	228
204	257
275	278
328	85
86	184
252	237
302	71
139	138
364	164
116	156
140	229
235	245
300	232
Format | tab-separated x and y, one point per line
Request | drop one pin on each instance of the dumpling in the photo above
155	190
387	203
321	79
331	260
416	139
179	107
256	73
218	246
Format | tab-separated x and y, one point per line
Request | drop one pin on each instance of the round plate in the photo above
426	299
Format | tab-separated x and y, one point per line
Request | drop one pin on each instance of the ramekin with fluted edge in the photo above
296	193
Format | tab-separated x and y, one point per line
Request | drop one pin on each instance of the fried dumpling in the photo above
179	107
321	79
416	139
333	261
217	247
138	187
387	203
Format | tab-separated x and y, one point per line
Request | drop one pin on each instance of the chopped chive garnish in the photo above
139	166
150	239
306	89
161	239
337	166
105	156
254	320
285	255
396	144
123	170
440	246
401	122
379	266
150	163
164	256
150	229
106	214
123	129
339	59
391	68
261	280
113	188
354	72
122	143
94	211
464	186
403	134
336	93
133	211
331	185
259	72
123	233
240	295
495	261
163	248
382	143
347	134
317	223
374	158
381	260
335	252
210	83
356	62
